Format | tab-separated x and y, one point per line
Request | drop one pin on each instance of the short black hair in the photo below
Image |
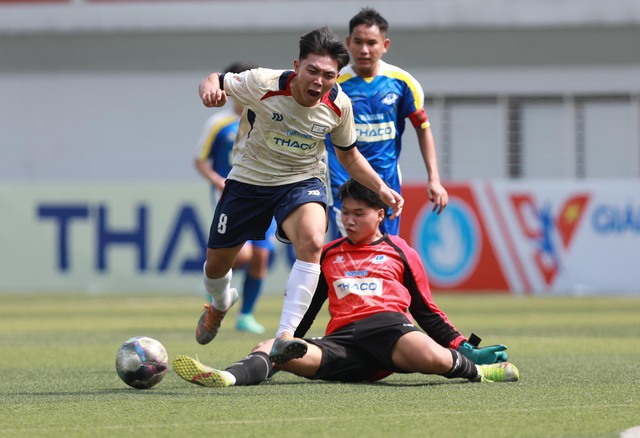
324	42
369	17
239	67
354	190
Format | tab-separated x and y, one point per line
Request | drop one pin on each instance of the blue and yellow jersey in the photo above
216	142
381	105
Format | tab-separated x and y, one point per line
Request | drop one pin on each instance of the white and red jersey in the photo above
384	276
284	141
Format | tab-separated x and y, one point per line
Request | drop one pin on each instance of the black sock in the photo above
251	370
462	367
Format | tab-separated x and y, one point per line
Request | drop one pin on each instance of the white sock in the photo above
231	377
299	291
479	376
218	288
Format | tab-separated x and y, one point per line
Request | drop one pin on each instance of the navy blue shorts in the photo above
362	350
244	211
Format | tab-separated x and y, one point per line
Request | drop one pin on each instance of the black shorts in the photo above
359	351
245	211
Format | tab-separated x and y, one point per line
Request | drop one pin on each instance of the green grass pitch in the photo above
579	360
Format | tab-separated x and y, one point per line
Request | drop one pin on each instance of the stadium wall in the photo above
99	112
494	236
106	90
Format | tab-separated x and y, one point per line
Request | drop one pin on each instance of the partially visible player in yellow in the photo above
213	162
278	171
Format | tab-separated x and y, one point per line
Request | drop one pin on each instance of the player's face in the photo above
316	76
367	45
361	221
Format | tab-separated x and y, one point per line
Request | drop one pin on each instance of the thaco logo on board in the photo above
186	226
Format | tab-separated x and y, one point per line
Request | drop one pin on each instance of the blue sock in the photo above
250	293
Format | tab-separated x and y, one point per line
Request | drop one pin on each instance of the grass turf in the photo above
578	359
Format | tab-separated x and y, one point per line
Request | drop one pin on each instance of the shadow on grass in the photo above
178	389
112	391
373	384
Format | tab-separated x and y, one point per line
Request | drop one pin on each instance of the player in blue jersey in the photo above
213	162
383	97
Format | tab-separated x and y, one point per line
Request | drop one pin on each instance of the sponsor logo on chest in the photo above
359	286
292	142
373	132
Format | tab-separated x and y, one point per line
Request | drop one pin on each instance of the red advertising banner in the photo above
540	237
471	266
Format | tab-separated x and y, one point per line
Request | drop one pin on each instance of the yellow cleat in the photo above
498	372
195	372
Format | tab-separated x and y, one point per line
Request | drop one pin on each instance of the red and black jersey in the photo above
384	276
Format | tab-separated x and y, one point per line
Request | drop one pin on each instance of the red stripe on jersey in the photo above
283	91
418	117
329	100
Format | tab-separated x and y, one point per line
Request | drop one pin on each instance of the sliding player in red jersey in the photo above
376	287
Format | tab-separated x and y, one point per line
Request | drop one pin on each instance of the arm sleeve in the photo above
424	310
344	135
244	86
319	297
413	103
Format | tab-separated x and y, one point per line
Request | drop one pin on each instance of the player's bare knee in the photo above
264	346
309	249
213	271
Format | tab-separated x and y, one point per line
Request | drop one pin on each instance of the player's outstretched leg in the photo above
211	318
498	372
250	370
195	372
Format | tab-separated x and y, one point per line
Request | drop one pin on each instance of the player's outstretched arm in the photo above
360	170
486	355
435	191
210	92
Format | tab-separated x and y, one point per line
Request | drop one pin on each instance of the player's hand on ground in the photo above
210	92
394	200
486	355
438	195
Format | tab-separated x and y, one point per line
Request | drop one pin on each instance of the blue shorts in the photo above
269	242
245	211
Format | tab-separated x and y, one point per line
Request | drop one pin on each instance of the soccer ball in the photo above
142	362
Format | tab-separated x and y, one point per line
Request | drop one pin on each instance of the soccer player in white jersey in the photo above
383	97
213	162
278	171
